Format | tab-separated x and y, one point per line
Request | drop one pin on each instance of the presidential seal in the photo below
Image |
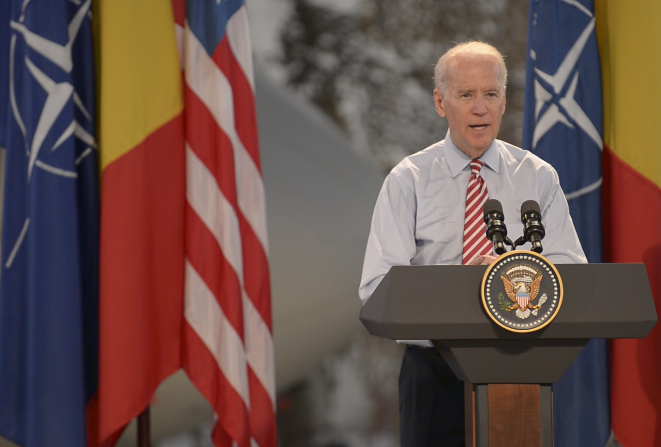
522	291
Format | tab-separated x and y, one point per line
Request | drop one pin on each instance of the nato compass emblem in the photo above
522	291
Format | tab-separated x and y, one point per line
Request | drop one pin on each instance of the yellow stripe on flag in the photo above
629	34
140	78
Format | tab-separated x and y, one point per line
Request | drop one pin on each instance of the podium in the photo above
509	375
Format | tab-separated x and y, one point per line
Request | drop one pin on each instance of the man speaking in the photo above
429	211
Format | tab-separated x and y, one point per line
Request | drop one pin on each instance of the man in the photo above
429	211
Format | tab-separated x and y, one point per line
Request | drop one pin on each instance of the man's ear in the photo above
504	99
438	102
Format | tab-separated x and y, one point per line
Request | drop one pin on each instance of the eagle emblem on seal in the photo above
522	284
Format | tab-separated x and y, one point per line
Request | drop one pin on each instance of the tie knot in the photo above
476	166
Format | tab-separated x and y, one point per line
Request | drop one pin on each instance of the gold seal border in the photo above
493	266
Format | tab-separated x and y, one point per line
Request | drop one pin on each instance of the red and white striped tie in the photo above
475	238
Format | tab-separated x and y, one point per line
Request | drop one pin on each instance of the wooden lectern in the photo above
508	375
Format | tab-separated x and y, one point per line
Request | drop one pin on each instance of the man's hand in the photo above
483	260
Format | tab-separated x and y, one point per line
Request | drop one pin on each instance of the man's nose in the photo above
479	107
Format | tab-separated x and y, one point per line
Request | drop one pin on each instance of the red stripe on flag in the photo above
205	374
256	278
635	364
211	145
262	416
206	257
220	437
179	12
245	116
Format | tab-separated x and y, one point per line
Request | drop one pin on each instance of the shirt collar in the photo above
457	160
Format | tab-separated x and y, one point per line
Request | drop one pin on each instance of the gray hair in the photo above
472	48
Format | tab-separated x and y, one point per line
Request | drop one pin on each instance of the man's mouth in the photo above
478	126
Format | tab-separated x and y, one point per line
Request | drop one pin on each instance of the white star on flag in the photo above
569	107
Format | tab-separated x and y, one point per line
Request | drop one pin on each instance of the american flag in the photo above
228	342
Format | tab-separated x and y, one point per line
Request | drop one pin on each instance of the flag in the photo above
49	270
141	144
228	343
563	125
630	44
165	164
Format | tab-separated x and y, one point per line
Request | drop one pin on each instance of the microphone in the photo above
533	230
496	229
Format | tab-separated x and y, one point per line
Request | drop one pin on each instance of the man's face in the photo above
474	102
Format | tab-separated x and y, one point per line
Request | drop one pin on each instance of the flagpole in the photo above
144	436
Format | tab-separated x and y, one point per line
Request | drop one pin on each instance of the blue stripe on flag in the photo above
563	125
49	286
208	19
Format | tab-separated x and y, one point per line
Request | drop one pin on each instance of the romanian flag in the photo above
142	207
630	45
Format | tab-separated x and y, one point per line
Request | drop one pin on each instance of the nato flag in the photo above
563	125
49	270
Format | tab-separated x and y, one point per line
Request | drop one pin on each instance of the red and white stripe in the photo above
475	239
522	299
228	342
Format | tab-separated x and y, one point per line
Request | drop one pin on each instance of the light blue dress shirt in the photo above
419	215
